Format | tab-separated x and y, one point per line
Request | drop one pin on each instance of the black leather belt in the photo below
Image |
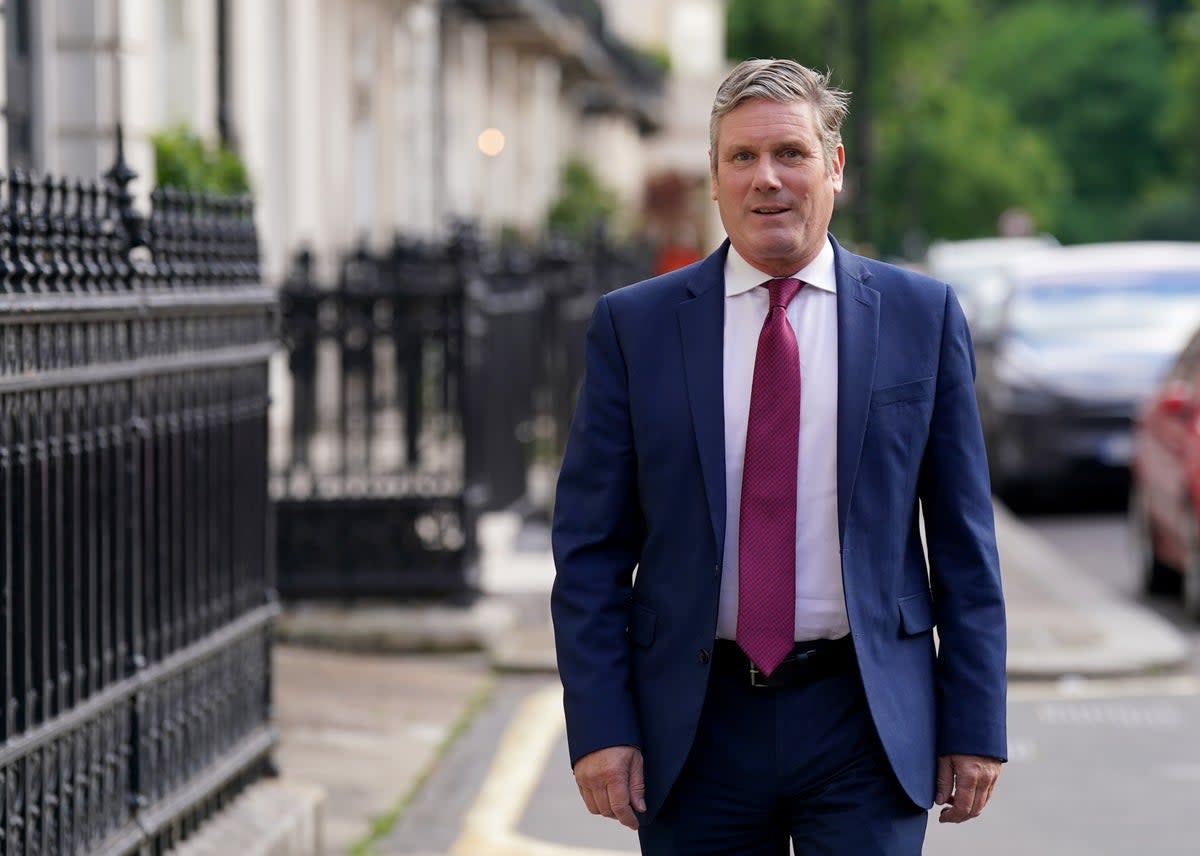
809	661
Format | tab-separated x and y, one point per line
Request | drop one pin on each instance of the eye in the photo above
741	156
791	153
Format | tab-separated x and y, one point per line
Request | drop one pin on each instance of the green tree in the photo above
1170	208
583	202
952	162
1180	123
1090	78
943	160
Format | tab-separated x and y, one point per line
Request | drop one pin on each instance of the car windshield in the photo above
1158	308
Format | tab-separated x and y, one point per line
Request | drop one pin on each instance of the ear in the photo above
837	168
712	177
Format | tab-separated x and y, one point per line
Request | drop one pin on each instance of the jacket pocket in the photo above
916	613
912	391
641	626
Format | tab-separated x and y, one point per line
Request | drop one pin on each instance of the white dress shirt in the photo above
820	600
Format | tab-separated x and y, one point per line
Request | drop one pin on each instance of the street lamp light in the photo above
491	142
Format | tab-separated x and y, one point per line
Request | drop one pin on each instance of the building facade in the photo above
356	119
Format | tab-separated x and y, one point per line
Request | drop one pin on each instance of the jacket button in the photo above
716	570
703	657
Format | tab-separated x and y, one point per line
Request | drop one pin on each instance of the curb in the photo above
1066	623
270	818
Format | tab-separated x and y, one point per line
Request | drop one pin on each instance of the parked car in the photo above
1083	336
975	268
1164	500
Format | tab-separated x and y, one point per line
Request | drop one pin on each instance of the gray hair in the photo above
785	81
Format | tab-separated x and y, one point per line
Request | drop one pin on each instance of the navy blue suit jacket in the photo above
642	487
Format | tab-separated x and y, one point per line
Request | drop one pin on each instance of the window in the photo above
19	100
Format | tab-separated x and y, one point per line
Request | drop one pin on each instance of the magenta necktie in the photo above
766	614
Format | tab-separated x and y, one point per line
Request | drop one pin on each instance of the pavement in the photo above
369	698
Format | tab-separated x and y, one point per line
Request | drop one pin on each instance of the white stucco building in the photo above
357	119
691	34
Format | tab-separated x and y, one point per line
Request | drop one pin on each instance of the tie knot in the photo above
781	291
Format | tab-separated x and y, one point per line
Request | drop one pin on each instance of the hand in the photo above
964	782
612	783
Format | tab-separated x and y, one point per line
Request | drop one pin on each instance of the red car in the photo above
1164	502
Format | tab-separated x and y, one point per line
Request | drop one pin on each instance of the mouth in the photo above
770	210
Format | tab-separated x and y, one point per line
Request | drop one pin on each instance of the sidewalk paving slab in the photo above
368	727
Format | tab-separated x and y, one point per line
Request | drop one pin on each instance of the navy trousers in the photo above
800	763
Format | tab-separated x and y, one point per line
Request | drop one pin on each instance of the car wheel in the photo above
1191	567
1156	578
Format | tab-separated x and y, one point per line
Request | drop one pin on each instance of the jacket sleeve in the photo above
963	563
597	536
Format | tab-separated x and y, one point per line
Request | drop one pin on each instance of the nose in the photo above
765	176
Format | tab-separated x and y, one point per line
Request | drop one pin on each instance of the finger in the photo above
595	795
987	795
603	805
945	781
963	804
618	799
637	783
588	799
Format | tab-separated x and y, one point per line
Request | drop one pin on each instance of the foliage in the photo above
1091	80
780	29
658	56
1082	112
1180	123
583	202
184	160
951	163
1172	216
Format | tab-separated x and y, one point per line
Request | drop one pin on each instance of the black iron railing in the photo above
135	547
424	386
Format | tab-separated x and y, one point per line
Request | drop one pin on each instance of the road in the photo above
1097	768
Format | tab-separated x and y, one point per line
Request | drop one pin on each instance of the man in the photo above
753	435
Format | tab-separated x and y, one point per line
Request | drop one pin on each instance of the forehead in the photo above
758	120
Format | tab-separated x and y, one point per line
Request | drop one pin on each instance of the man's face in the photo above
773	184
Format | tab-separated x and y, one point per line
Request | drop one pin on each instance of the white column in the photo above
364	127
76	73
389	122
256	55
3	87
466	115
303	129
534	144
501	178
400	147
200	22
333	96
139	81
415	182
98	67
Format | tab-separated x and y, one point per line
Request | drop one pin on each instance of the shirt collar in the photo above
741	276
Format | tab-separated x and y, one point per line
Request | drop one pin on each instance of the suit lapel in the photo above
858	342
701	328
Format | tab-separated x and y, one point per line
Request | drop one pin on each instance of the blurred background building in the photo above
361	119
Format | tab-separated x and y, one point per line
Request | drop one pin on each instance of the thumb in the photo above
637	783
945	780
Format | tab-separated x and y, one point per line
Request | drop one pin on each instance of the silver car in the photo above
1082	336
975	269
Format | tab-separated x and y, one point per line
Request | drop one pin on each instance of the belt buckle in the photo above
756	677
